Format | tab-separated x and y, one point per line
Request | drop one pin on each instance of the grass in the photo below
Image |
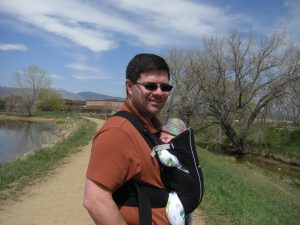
56	115
14	176
241	194
279	140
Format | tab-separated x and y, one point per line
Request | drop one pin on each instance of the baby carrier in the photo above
188	185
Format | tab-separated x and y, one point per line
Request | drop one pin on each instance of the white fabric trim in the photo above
159	148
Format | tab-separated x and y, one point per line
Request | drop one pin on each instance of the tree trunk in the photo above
238	143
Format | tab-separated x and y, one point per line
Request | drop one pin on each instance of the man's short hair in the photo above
145	62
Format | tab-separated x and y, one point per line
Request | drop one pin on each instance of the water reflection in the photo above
20	137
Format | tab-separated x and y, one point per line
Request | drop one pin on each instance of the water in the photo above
20	137
288	173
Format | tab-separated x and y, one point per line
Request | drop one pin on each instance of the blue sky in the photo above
86	45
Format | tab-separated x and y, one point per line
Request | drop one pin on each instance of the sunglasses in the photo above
153	86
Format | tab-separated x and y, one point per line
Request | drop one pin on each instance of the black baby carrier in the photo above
188	185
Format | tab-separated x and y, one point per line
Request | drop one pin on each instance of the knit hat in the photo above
174	126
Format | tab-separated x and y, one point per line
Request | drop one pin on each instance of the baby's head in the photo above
172	128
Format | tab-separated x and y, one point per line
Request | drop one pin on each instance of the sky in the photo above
85	45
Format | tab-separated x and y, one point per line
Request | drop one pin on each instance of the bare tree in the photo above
234	78
287	108
30	82
293	102
182	101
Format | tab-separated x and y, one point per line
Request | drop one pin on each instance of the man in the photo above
120	153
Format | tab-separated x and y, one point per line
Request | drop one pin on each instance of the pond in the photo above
20	137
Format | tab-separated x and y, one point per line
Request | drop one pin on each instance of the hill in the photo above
7	91
95	96
69	95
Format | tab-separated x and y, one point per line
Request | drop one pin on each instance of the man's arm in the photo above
100	205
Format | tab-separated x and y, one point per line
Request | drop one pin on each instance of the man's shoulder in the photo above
118	127
118	122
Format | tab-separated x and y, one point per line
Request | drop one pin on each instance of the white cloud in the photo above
83	67
291	21
12	47
68	19
187	17
102	25
86	72
56	77
87	77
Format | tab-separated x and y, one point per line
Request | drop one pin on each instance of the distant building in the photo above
74	105
94	106
105	105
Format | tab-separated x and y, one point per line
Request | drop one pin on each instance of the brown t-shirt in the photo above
120	153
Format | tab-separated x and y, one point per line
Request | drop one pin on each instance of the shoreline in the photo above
275	159
60	132
24	118
259	155
55	197
17	174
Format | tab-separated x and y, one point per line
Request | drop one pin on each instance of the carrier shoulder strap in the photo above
138	194
137	123
149	138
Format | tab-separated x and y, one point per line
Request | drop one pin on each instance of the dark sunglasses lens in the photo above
151	86
166	87
154	86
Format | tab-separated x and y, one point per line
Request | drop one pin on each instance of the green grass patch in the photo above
14	176
99	116
242	194
281	140
56	115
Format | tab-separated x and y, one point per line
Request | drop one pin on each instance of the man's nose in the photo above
158	91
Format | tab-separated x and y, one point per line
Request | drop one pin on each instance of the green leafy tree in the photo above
50	100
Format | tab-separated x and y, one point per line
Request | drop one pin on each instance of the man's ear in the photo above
128	84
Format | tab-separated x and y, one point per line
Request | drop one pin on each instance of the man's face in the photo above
148	102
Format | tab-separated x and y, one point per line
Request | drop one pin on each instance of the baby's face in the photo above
166	137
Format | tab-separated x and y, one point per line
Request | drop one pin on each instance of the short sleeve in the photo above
113	158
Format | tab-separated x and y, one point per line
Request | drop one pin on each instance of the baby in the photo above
174	209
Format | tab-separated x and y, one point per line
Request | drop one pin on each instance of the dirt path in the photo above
57	200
